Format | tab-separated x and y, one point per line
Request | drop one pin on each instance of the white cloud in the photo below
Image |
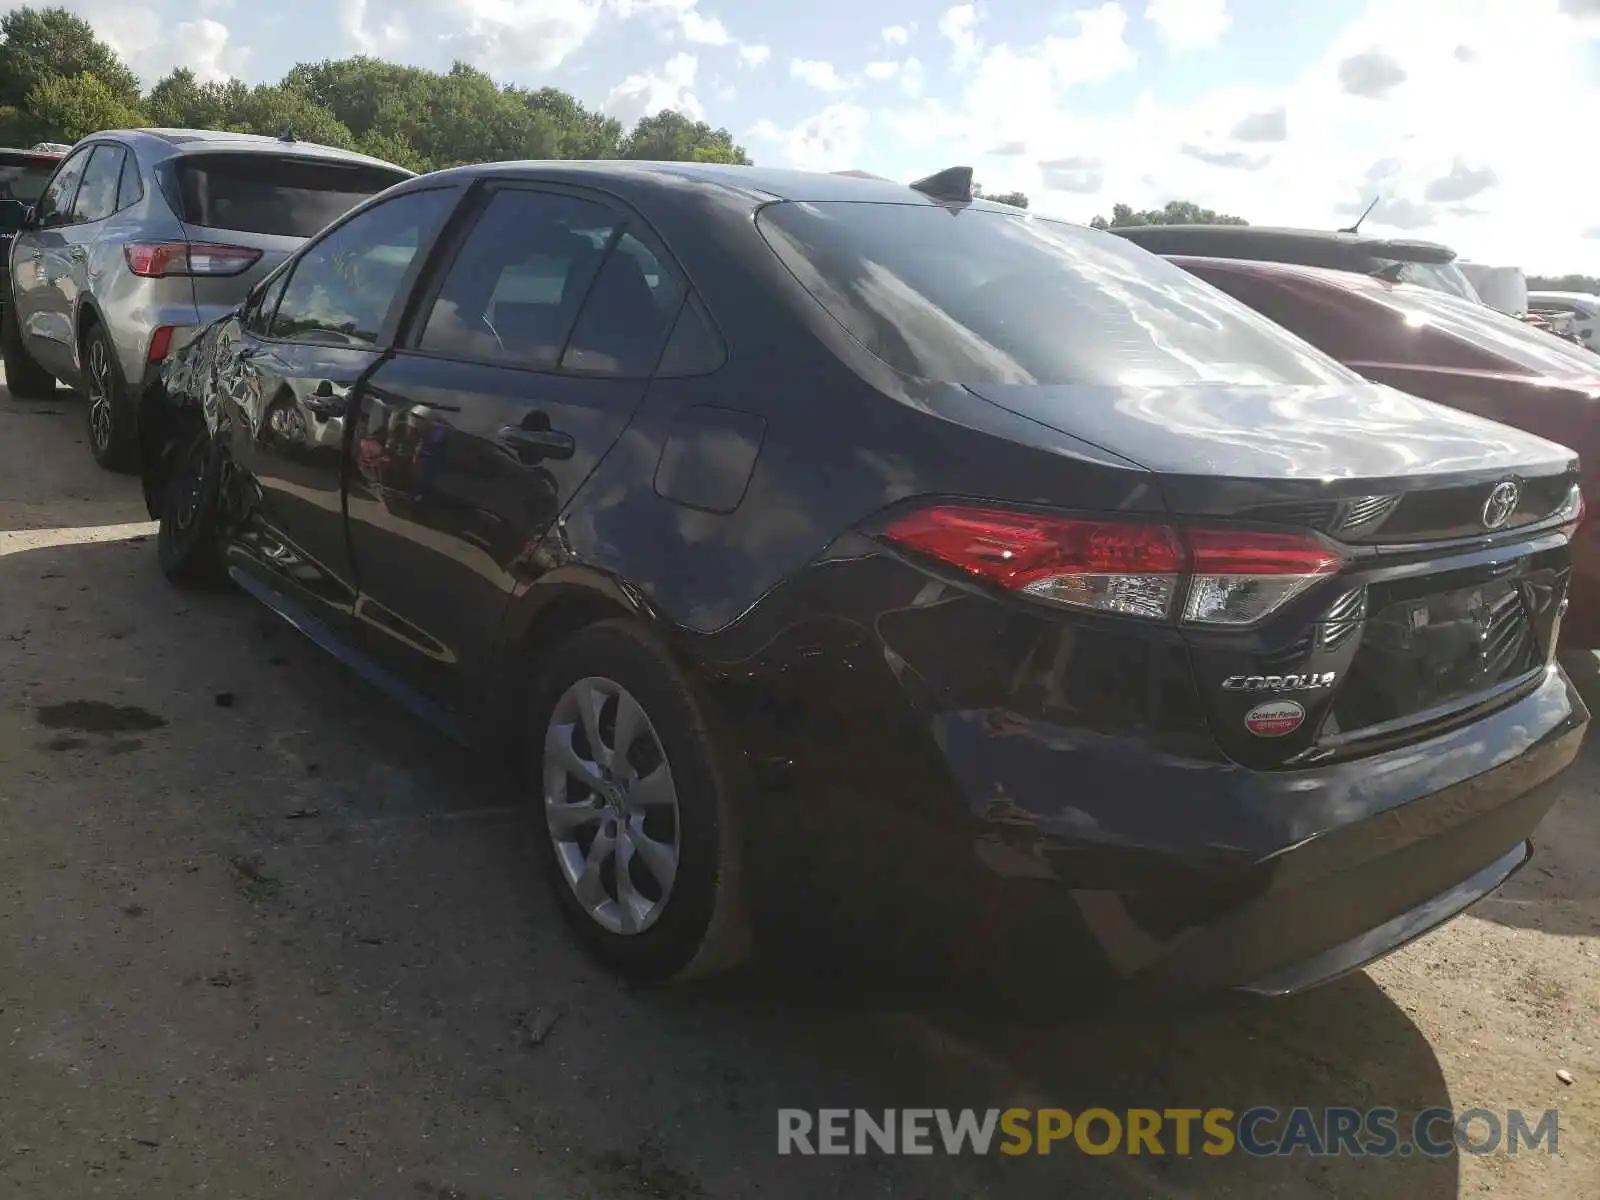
896	35
818	74
830	141
1441	132
512	38
707	31
754	55
649	92
1189	24
959	27
912	76
154	47
882	70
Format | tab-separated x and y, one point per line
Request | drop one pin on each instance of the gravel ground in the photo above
262	935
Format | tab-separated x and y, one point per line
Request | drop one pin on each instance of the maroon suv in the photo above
1445	349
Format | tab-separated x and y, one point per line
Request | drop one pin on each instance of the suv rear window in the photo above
974	296
24	179
270	194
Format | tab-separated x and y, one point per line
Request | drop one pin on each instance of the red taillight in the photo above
1127	567
156	260
160	343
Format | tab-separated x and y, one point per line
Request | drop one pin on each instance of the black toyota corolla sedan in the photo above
831	547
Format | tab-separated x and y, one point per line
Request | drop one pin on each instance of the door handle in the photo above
536	444
326	400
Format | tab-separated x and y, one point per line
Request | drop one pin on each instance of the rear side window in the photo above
97	196
272	194
514	290
627	314
131	190
972	296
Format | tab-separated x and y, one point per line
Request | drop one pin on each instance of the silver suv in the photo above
141	238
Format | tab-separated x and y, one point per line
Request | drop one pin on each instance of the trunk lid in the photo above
1456	572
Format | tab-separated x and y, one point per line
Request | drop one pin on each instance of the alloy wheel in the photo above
100	415
611	805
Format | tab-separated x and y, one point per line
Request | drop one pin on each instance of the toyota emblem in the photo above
1502	502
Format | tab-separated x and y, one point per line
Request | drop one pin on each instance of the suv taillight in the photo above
1236	577
155	260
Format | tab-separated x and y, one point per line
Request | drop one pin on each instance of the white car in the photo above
1583	307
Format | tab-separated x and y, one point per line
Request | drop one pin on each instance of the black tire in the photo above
112	423
701	927
25	378
187	543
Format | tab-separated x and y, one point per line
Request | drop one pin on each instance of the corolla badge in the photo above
1502	502
1279	683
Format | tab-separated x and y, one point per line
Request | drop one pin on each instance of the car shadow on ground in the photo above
1558	892
389	874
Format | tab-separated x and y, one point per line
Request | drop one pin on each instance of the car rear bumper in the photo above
1344	864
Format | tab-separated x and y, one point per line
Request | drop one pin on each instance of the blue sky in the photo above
1458	115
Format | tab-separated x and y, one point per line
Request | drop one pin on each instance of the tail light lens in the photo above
156	260
1241	576
1237	577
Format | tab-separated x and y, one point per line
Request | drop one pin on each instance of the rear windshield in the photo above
973	296
1530	348
1441	277
24	180
263	193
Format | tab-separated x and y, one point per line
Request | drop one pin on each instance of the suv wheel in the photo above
112	421
638	840
26	379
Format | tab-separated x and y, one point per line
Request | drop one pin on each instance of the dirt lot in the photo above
262	935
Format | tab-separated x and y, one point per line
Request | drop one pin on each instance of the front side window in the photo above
263	305
341	288
55	206
515	288
97	197
971	296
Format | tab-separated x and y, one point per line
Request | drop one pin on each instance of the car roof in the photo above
758	184
1349	281
175	143
1198	239
8	154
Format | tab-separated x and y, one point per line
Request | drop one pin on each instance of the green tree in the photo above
1015	199
66	108
718	154
672	137
181	102
271	109
38	44
1564	283
1176	212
